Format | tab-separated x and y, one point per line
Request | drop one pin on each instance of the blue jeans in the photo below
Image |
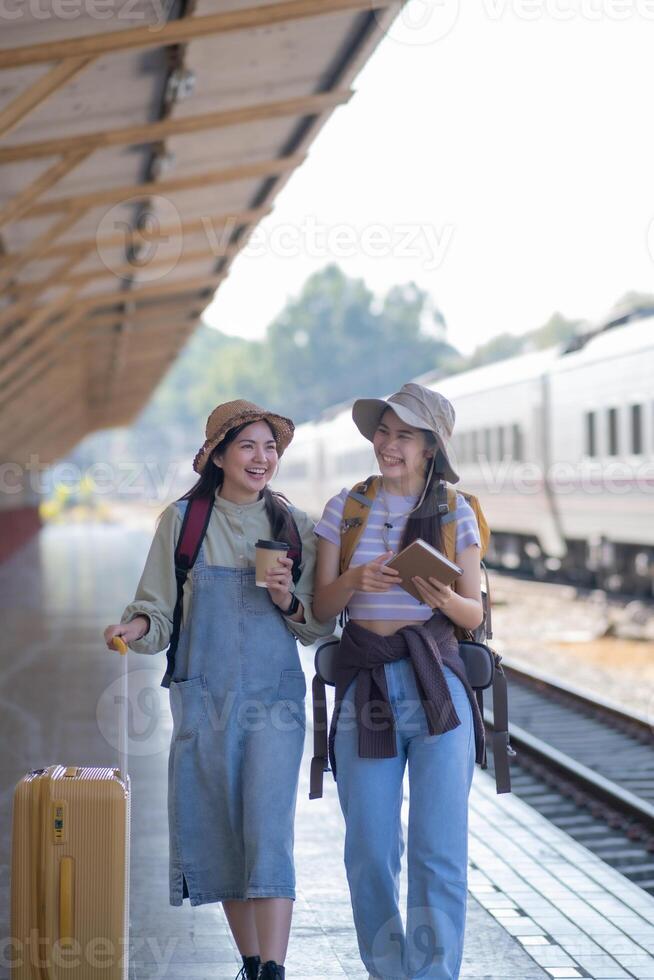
370	792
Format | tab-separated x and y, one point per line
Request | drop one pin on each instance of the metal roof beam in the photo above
307	105
42	247
22	202
12	262
147	292
182	31
123	272
114	195
39	91
14	354
141	315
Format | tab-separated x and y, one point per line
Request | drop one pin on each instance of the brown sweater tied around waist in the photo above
362	655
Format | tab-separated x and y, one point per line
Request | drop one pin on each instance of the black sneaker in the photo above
250	968
272	971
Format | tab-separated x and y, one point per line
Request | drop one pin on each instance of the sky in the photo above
500	155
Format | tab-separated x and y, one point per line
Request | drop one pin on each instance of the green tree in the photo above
333	341
557	330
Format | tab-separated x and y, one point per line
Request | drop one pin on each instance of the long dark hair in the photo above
425	522
277	505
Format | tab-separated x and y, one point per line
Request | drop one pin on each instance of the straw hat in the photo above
417	406
231	414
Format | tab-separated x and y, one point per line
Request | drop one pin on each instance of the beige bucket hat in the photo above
417	406
230	414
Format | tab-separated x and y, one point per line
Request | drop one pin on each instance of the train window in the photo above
353	461
591	438
612	424
500	443
636	428
296	470
516	438
488	444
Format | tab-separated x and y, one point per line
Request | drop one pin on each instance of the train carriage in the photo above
558	444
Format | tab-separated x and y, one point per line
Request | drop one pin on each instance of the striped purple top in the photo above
396	603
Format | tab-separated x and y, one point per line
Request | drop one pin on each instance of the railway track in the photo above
586	765
583	590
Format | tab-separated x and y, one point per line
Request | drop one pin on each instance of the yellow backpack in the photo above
355	516
359	502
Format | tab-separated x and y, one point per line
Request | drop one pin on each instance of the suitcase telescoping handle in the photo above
119	644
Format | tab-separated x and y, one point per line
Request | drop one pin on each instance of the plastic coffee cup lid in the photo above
272	545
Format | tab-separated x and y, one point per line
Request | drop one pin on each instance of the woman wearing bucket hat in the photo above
236	684
402	696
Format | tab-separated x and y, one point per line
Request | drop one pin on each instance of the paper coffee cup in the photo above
267	553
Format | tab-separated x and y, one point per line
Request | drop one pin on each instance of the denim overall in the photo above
237	701
371	793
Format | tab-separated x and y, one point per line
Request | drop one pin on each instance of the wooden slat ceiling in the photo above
125	132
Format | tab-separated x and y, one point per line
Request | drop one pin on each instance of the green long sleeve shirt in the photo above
231	535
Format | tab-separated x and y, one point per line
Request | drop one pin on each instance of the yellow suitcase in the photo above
70	872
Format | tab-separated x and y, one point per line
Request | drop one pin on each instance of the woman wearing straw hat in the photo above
237	688
402	696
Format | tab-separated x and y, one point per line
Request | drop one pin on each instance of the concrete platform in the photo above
540	905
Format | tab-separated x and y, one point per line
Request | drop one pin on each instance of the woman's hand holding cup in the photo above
279	579
273	571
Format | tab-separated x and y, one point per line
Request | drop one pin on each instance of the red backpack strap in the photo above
194	527
191	535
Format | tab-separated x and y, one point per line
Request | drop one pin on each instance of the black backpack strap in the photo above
487	622
320	760
479	695
295	551
325	674
191	535
502	749
441	498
